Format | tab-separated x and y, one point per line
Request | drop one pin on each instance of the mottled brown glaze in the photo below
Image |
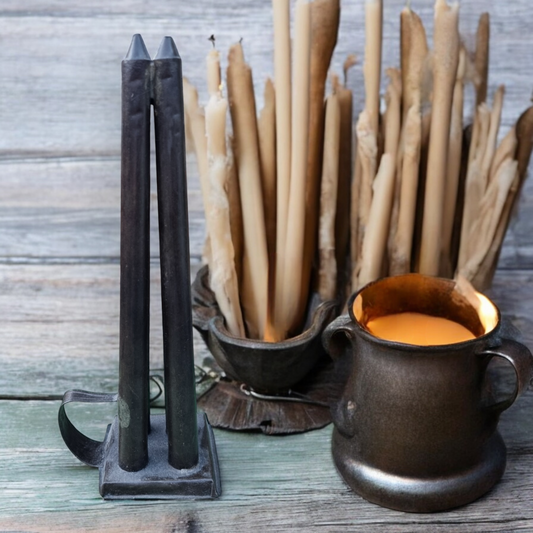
416	428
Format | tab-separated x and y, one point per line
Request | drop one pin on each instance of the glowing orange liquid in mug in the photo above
418	329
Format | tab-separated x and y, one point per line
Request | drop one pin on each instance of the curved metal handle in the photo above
330	341
89	451
522	362
342	412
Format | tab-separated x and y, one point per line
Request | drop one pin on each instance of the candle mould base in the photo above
158	480
145	456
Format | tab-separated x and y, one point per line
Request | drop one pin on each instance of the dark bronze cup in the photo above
415	429
266	367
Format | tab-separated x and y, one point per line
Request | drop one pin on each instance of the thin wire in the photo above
293	397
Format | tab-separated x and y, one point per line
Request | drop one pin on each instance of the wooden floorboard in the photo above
269	484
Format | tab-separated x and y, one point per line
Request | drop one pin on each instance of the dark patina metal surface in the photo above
135	257
416	427
270	367
157	480
171	456
178	351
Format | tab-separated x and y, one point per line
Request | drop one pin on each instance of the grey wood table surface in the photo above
59	271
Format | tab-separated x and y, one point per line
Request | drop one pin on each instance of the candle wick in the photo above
212	39
240	40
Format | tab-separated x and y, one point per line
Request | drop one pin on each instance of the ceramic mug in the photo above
415	429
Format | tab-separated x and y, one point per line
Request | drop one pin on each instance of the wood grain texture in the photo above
269	484
59	272
60	110
68	210
60	60
61	331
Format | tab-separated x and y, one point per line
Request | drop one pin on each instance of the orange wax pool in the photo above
419	329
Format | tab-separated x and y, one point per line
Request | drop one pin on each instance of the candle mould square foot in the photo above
158	480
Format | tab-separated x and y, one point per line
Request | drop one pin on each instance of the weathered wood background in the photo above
59	247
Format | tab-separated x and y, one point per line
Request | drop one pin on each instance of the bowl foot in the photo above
229	407
420	495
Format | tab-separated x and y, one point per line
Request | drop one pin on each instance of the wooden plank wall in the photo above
60	110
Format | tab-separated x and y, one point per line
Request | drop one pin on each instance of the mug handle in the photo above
331	344
522	362
335	345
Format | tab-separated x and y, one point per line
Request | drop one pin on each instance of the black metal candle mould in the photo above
144	456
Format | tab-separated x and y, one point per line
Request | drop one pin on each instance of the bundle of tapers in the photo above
294	204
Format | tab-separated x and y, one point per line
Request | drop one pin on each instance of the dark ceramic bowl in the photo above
271	367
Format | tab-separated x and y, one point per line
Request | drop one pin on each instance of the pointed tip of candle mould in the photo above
137	49
167	49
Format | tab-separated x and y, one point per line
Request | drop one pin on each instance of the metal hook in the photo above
293	397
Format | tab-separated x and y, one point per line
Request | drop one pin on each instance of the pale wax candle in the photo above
244	121
213	72
286	310
446	57
282	82
327	272
372	65
223	277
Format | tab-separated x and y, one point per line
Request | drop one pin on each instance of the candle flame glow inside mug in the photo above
416	427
